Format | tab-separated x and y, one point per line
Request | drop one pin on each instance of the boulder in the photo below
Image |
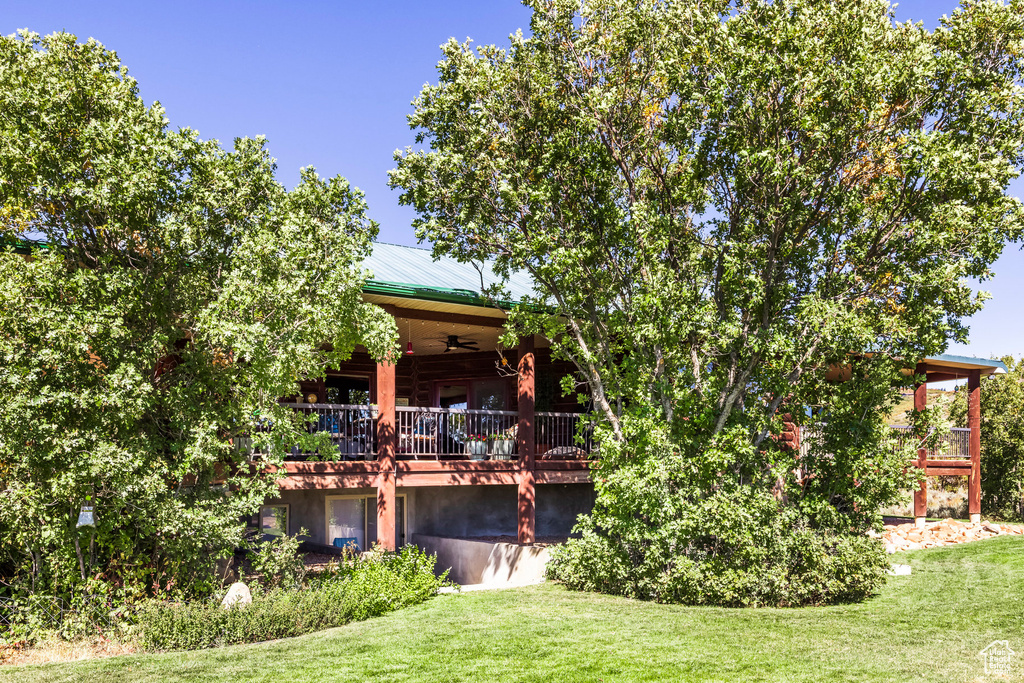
238	594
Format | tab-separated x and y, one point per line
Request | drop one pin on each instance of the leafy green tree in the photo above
174	292
721	203
1002	439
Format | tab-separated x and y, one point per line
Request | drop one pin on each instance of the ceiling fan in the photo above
454	343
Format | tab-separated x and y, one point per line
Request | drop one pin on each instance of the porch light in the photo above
408	349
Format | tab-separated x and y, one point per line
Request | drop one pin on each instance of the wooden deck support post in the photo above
920	404
526	442
974	423
386	442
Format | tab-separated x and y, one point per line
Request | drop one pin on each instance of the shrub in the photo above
358	588
747	566
277	562
656	534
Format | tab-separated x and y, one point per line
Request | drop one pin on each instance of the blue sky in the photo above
330	83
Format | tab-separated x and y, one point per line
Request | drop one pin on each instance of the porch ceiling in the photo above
429	323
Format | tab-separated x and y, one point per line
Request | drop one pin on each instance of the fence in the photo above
88	615
952	445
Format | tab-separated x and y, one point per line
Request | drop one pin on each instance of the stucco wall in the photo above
468	511
558	506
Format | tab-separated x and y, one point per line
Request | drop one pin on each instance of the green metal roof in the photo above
997	367
414	273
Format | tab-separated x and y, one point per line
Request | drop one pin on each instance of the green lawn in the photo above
928	627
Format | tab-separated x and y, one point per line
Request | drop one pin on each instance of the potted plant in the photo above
501	446
476	446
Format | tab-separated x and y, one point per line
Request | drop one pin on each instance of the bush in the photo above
358	588
277	562
656	534
724	563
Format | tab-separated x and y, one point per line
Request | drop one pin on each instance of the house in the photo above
460	438
451	442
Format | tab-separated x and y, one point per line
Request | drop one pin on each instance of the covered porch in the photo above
446	414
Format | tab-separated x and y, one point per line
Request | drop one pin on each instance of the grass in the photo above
925	627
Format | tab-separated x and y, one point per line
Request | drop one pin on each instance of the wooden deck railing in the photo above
453	433
444	433
953	445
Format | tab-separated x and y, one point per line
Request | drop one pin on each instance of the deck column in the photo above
386	441
974	423
920	404
526	441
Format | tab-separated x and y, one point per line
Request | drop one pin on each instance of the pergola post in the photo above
386	442
974	424
920	404
526	441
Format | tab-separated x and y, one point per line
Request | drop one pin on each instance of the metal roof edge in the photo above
997	366
427	293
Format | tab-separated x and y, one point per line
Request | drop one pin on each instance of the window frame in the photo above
287	519
366	517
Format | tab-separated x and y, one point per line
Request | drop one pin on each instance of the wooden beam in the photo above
561	465
319	482
921	495
943	369
386	442
562	477
443	317
527	443
341	467
441	478
949	464
942	377
974	424
469	466
933	471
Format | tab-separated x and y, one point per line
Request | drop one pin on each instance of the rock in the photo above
238	594
899	570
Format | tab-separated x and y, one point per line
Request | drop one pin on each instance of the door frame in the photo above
366	516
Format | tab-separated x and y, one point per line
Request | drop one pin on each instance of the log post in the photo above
920	404
974	423
526	442
386	442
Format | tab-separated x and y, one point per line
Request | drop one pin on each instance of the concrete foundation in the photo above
477	562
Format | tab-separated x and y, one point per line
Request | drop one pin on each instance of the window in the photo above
352	521
273	520
347	390
478	394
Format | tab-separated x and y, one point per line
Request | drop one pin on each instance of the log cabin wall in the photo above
417	375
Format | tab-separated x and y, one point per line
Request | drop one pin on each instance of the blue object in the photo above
350	542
